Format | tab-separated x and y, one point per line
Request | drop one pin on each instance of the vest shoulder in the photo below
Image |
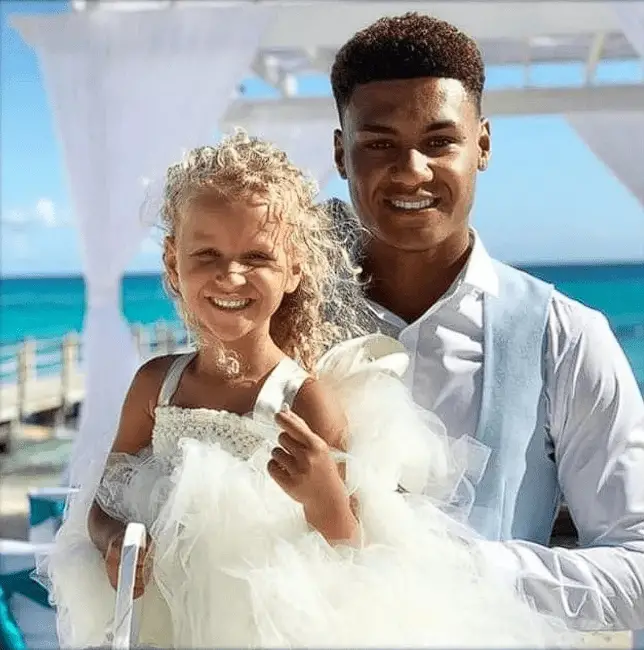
517	276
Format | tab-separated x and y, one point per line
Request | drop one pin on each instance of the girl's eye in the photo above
258	257
206	253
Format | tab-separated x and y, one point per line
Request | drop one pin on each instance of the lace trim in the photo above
134	486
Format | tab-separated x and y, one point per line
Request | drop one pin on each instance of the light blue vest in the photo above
518	495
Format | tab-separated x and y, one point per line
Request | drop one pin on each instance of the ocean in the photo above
46	308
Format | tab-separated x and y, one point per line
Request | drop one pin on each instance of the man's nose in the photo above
412	167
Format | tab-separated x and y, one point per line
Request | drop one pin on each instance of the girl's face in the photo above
230	264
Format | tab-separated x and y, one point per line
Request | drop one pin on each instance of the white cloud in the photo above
14	217
45	212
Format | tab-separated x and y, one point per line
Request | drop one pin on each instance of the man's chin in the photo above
416	240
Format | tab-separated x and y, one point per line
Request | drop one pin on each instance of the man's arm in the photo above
597	426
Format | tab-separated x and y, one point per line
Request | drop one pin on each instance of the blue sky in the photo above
545	198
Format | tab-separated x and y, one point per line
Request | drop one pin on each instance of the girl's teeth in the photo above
230	304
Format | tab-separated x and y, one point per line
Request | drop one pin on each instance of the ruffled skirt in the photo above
236	565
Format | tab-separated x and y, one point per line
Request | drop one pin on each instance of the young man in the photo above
497	354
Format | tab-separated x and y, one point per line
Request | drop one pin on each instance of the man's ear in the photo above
485	144
338	153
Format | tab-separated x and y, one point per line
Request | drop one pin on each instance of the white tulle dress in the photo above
235	563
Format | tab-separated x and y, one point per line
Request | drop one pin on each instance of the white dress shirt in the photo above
596	425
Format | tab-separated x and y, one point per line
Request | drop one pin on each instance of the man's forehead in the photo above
430	100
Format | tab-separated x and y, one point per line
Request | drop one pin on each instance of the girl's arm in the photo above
305	468
134	434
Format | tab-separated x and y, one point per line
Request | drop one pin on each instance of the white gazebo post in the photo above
130	89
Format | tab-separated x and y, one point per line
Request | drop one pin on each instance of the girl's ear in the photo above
294	278
170	263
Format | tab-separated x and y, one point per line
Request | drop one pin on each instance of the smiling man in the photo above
496	354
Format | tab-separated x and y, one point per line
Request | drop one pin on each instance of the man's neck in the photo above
408	283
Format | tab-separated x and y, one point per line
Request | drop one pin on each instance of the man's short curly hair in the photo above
407	47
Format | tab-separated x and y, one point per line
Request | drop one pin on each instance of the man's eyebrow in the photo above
388	130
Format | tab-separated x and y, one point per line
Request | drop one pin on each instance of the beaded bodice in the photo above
239	435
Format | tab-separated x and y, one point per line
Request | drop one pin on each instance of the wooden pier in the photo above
45	377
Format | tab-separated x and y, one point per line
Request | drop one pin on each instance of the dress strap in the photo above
281	387
172	377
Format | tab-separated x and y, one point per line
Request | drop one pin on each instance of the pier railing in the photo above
39	376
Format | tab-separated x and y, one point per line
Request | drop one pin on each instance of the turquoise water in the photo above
50	307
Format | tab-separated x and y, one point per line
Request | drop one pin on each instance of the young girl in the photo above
291	489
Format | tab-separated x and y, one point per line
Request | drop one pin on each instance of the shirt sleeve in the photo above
597	428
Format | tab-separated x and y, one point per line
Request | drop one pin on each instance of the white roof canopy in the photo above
327	23
303	37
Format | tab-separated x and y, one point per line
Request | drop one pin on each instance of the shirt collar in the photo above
479	272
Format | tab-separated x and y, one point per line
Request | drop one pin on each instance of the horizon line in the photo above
519	265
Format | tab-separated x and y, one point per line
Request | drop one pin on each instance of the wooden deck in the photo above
40	395
41	377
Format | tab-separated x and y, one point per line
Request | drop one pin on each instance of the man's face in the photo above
410	150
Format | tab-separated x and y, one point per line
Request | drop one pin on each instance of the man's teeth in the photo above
230	304
414	205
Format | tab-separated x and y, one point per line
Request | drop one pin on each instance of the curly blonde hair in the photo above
326	306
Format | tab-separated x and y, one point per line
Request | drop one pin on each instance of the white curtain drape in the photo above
617	138
308	143
129	92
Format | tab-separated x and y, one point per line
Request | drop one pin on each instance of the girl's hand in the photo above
304	468
113	563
